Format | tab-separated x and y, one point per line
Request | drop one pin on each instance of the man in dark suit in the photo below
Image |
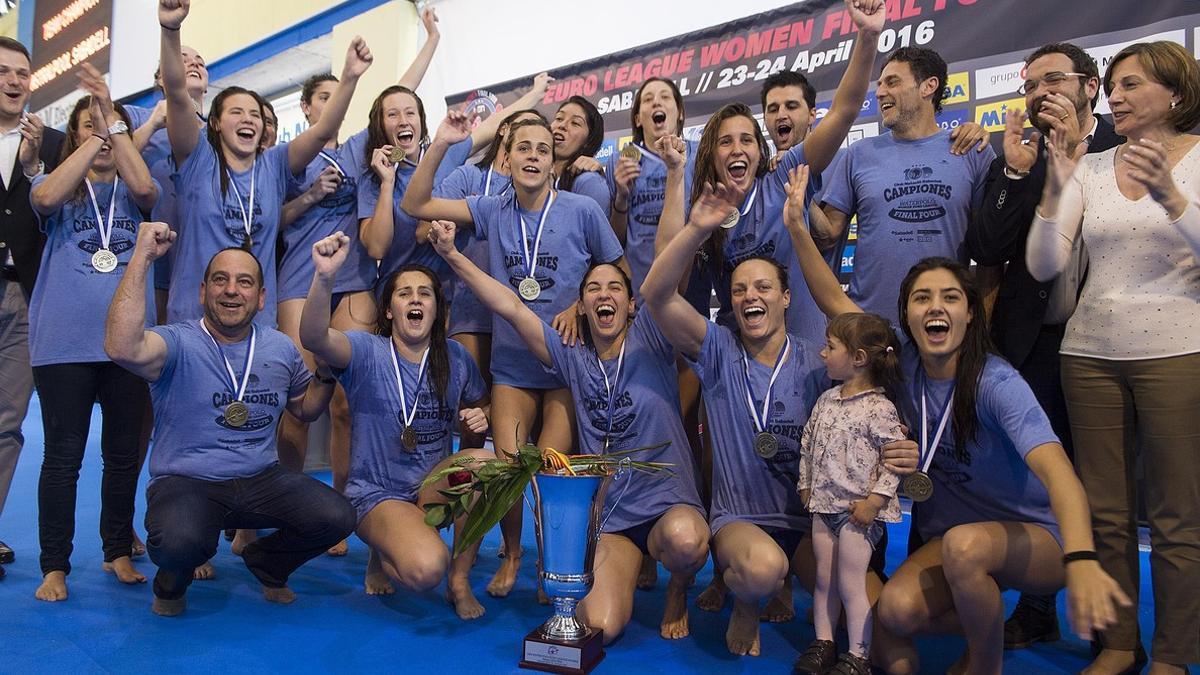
27	149
1061	87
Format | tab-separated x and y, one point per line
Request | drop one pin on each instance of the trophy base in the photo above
575	657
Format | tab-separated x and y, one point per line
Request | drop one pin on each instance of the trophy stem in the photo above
564	625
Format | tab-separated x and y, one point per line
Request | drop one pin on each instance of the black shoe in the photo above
820	656
6	554
1028	625
849	664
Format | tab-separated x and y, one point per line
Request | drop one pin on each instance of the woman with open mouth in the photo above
90	208
623	383
408	388
1002	503
541	241
578	130
229	192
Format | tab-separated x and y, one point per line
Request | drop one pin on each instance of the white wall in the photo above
133	55
490	41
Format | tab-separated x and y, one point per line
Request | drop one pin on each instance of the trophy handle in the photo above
623	469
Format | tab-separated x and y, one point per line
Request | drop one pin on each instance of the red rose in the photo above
458	478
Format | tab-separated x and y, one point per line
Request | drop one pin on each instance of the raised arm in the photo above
130	165
822	284
1058	217
305	147
157	120
493	294
674	152
419	201
376	232
483	135
59	185
680	323
126	340
416	70
823	143
328	344
181	111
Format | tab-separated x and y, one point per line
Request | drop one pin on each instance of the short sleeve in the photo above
482	209
278	158
653	337
602	241
1008	402
456	155
980	162
560	358
593	185
456	186
43	221
718	345
170	336
368	195
474	389
360	343
300	375
839	191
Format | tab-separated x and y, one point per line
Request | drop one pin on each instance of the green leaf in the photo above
438	515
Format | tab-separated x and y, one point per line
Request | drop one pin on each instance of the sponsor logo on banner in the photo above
999	80
992	116
607	149
952	119
870	108
958	89
860	131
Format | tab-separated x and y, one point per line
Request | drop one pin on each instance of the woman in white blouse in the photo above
1131	354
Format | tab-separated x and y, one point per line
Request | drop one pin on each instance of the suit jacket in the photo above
997	235
19	229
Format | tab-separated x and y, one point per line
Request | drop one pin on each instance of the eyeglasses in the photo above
1052	78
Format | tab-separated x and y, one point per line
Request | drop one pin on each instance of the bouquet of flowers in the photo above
485	490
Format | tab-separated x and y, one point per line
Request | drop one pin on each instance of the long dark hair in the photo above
591	144
213	129
972	354
501	134
439	356
874	335
639	134
377	136
584	328
71	144
706	170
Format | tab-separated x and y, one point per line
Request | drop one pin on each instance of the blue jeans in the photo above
836	521
185	517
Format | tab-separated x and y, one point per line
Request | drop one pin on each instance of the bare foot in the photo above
242	539
648	575
1111	661
163	607
53	588
1161	668
742	635
377	582
781	607
339	549
712	599
458	593
675	615
204	572
125	571
502	582
282	595
139	546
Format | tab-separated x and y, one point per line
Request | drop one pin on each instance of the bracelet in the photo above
1075	556
616	210
165	27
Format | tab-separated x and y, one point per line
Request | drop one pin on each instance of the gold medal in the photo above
409	439
918	486
397	154
632	152
236	414
765	444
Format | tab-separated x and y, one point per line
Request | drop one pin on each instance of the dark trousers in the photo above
185	516
1042	370
67	392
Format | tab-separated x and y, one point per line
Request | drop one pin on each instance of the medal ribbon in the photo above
332	162
928	451
760	424
750	200
646	152
531	261
105	229
408	416
487	184
239	390
247	216
611	388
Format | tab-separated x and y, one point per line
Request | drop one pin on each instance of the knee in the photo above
338	517
605	618
899	611
684	546
422	572
180	548
963	554
756	575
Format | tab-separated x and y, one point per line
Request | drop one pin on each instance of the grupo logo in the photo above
999	80
992	116
958	89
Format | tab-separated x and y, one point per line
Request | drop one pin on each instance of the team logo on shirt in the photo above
256	399
623	418
235	227
342	198
921	196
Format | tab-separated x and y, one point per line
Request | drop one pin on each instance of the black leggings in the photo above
67	392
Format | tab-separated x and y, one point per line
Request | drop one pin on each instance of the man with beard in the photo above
912	196
1061	88
214	463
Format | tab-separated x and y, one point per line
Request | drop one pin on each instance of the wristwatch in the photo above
118	127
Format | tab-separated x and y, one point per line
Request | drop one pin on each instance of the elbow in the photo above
1041	270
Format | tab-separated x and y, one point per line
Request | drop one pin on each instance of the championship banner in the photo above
984	43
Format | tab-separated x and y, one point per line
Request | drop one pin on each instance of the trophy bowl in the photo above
567	522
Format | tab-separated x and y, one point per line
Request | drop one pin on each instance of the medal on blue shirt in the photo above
398	155
332	162
529	288
632	151
408	437
734	216
918	485
247	215
611	388
765	442
236	413
104	260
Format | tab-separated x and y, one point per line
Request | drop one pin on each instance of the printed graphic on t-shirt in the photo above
919	198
